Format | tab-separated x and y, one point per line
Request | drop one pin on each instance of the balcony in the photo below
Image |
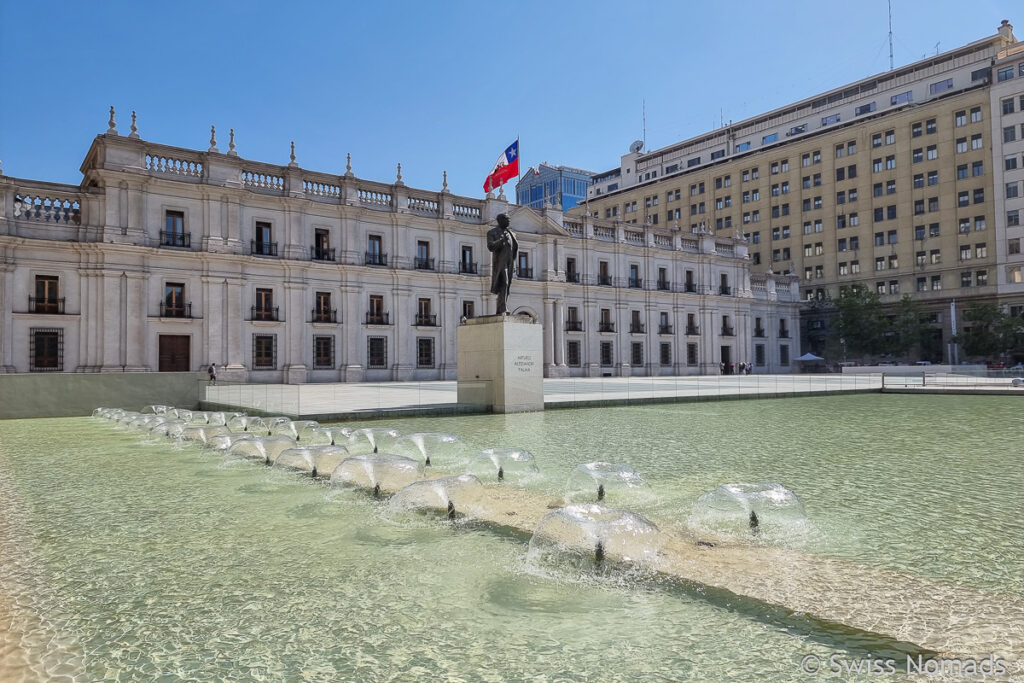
572	276
783	334
375	258
573	325
664	286
725	290
636	283
378	318
45	305
605	280
664	329
175	310
693	330
637	328
727	331
321	253
262	248
759	332
325	315
426	319
265	313
176	239
526	273
605	327
467	268
421	263
690	287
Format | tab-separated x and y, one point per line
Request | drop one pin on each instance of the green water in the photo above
137	561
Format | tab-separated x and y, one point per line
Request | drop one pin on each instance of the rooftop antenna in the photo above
937	47
890	36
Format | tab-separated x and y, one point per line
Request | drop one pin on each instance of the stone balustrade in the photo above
634	237
262	181
374	199
176	166
48	209
465	211
423	206
317	189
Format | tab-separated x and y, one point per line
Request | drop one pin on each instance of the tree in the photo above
906	329
991	333
859	321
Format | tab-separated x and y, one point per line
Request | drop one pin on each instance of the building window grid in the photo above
264	351
46	349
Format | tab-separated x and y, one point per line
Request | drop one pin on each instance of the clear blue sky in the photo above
435	85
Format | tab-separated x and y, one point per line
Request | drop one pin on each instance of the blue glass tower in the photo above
562	184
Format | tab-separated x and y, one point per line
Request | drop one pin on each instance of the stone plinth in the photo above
501	363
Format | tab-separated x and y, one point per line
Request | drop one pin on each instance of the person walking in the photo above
212	372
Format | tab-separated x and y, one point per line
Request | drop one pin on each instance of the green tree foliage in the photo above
859	322
906	329
989	332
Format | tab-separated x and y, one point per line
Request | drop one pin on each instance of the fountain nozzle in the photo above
754	521
599	553
376	490
374	449
600	492
427	463
314	472
501	474
451	510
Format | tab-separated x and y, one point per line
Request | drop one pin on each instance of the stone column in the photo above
113	302
296	332
351	352
233	314
548	323
137	286
7	324
560	333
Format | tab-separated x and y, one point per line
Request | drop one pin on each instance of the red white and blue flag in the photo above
506	168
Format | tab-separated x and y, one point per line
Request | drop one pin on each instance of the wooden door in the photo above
174	353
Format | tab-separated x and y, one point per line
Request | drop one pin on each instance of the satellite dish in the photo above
637	146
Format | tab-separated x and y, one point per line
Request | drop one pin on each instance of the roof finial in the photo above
111	124
213	140
398	180
231	145
134	135
292	156
1	166
444	188
501	193
348	165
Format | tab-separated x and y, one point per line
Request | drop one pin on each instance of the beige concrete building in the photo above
1007	102
892	182
169	259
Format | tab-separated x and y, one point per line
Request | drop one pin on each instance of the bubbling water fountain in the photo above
377	472
316	460
435	447
249	423
461	495
222	442
327	436
600	481
201	433
515	465
371	436
262	448
748	507
585	535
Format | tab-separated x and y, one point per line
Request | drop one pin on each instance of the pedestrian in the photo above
212	372
721	367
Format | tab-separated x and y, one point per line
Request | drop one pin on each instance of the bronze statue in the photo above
504	248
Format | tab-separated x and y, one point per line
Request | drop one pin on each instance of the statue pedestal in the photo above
501	363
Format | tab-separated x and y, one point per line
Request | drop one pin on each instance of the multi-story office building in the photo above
169	259
545	185
890	183
1007	102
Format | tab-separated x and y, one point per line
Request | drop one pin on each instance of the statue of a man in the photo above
504	248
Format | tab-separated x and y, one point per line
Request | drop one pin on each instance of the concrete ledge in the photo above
72	394
434	410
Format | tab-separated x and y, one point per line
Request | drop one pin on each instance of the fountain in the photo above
459	495
262	448
370	436
201	433
316	460
585	535
600	481
378	472
327	436
436	448
222	442
514	465
293	428
746	507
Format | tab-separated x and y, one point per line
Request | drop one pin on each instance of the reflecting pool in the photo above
124	555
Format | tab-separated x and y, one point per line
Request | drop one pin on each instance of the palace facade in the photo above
169	259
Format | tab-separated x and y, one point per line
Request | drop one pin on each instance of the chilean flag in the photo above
506	168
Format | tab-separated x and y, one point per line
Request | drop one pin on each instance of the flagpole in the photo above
519	156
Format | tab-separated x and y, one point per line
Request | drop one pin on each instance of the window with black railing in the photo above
573	325
605	326
759	332
46	305
690	287
604	279
664	285
176	239
783	334
727	331
258	248
693	329
376	258
664	329
269	313
318	253
171	309
636	283
426	319
525	273
467	267
725	290
572	276
46	349
423	263
373	318
636	327
325	315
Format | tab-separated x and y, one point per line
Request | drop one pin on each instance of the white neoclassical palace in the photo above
168	259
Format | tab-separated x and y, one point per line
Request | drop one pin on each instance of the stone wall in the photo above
74	394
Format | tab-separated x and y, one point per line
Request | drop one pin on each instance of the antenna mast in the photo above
890	36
